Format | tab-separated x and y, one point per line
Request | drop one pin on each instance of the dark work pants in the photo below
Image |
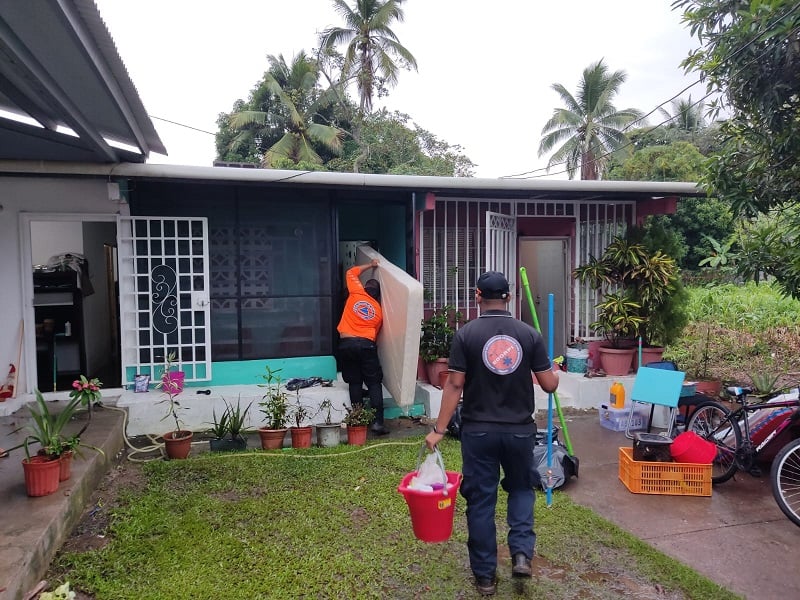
483	455
358	358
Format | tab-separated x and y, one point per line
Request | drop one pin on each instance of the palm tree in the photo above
299	102
373	50
589	128
686	115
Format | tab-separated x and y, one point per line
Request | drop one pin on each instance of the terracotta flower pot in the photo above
650	355
301	437
443	375
434	368
616	361
708	387
272	439
65	465
357	435
41	475
178	444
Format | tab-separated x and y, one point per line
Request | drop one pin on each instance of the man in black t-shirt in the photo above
491	360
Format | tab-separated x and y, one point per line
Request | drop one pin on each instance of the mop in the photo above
523	273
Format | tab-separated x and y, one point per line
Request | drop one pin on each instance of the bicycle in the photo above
739	448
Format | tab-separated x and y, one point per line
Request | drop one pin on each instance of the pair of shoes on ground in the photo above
520	567
378	429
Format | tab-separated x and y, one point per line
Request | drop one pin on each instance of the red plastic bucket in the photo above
689	447
431	512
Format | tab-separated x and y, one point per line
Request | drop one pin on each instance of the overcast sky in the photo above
485	68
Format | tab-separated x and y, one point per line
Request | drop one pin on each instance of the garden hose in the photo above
523	274
155	446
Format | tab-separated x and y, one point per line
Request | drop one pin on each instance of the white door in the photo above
164	296
501	250
546	263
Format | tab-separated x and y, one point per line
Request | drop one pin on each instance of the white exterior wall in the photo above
22	199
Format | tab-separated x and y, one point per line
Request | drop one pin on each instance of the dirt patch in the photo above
93	528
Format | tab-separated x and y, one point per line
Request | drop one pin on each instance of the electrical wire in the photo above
756	38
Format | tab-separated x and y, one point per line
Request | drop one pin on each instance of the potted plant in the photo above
329	432
357	419
87	393
227	430
236	425
698	371
218	430
436	337
300	433
178	442
640	298
43	470
618	321
275	407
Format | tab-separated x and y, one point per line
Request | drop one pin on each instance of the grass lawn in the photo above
329	523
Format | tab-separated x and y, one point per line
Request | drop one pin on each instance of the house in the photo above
110	262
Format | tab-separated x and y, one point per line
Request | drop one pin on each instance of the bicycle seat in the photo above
737	391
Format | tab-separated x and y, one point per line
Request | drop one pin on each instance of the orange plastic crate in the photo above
671	478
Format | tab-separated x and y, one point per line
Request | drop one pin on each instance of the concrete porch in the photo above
147	411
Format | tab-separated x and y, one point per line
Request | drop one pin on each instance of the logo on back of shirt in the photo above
502	354
364	310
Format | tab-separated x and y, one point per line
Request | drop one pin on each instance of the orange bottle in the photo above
617	396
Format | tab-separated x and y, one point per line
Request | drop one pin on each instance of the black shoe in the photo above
378	429
521	566
486	586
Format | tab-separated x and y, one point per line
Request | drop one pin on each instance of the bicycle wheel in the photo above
785	478
710	420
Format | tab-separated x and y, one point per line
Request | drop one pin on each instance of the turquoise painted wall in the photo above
247	372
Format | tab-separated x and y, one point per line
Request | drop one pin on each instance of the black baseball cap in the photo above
493	285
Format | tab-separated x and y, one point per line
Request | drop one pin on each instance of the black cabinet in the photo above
60	348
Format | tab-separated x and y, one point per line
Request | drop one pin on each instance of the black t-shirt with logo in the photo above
497	353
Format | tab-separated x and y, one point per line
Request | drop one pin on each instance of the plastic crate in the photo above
688	390
616	419
669	478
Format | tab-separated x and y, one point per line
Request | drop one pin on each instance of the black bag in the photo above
454	426
563	466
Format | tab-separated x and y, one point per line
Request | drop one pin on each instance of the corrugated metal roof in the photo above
60	69
442	186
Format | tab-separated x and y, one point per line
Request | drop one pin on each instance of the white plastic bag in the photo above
430	472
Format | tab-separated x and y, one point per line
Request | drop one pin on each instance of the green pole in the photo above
523	275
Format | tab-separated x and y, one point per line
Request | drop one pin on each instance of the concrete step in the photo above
34	528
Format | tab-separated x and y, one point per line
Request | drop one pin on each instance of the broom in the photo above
523	274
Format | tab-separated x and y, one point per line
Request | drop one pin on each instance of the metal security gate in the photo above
164	296
501	250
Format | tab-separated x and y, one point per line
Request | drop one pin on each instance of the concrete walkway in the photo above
738	537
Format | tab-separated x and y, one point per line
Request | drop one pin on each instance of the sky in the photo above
485	69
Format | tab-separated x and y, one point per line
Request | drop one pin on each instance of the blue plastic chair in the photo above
656	385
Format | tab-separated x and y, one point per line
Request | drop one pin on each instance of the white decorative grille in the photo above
164	300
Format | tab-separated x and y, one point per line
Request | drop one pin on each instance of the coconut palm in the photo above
299	102
373	55
589	128
686	115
